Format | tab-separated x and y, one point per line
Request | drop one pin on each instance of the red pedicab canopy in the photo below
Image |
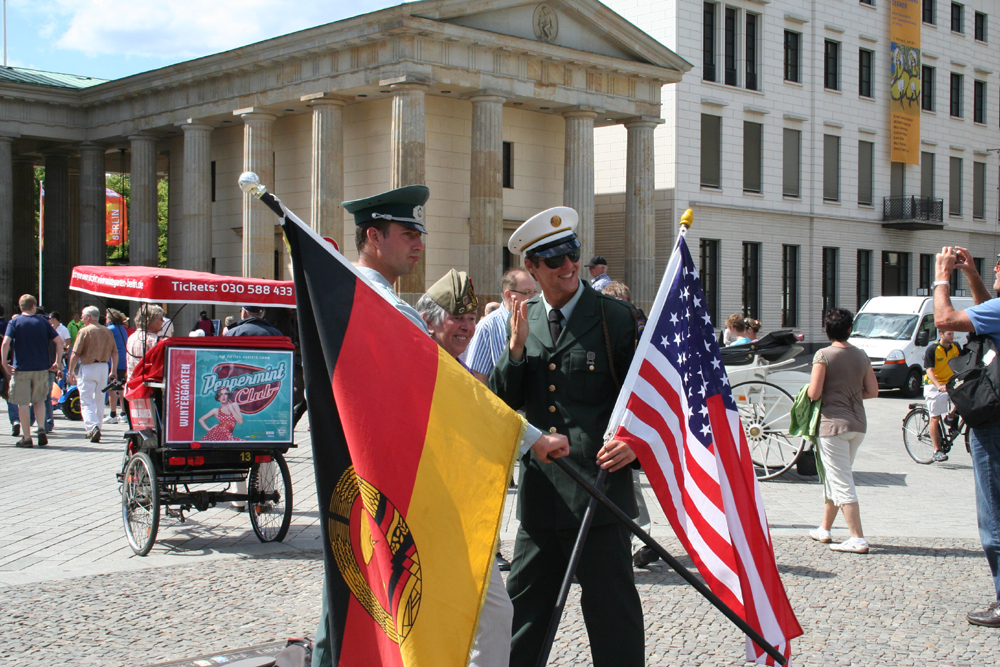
156	285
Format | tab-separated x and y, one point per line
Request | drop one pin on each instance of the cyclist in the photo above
938	371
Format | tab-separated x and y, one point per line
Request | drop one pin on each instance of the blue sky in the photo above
111	39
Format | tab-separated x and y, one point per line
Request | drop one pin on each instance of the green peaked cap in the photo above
454	293
403	205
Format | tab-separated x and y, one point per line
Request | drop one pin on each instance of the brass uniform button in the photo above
552	387
591	368
552	367
552	408
552	430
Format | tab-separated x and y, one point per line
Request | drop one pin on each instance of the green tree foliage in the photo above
162	191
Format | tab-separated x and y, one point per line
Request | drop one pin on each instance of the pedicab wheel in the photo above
917	436
269	503
765	411
70	405
140	503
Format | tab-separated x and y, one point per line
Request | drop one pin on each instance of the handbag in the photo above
974	389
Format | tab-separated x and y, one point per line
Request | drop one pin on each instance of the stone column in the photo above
6	221
640	214
24	270
93	236
143	247
258	220
578	174
408	167
55	266
74	234
486	198
327	188
196	230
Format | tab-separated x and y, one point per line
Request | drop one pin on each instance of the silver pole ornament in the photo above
250	184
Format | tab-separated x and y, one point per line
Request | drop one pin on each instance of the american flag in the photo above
676	411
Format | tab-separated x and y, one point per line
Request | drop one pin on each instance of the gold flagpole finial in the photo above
686	221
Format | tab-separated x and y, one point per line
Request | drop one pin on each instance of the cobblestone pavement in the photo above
71	592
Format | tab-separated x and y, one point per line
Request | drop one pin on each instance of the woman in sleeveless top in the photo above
228	414
842	376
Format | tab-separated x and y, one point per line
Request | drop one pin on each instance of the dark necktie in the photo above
555	324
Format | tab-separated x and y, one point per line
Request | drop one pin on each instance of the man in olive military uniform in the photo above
568	351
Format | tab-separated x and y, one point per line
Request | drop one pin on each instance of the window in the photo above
927	175
751	280
955	187
980	27
956	95
708	43
709	271
831	65
508	164
978	261
791	142
864	277
792	56
212	171
895	273
956	282
979	102
751	52
866	166
924	274
789	285
753	147
927	89
957	17
711	150
865	72
979	190
870	3
930	11
730	47
830	271
897	179
831	167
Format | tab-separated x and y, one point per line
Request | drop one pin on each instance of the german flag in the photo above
412	457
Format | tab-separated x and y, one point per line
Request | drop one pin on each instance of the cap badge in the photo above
418	213
556	221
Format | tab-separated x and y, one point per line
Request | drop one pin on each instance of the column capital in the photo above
486	95
9	138
193	125
55	152
581	112
143	136
256	113
642	121
92	147
315	100
406	82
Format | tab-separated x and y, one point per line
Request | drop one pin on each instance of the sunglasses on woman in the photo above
557	261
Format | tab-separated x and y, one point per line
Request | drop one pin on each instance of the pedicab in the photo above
210	411
765	378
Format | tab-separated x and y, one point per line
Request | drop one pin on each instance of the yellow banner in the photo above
904	80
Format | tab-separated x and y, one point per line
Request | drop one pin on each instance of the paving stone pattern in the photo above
72	593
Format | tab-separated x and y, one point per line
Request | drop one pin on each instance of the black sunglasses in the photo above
557	261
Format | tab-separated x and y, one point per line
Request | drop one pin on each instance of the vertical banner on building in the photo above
115	218
41	233
904	38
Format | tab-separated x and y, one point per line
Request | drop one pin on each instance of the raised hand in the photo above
518	331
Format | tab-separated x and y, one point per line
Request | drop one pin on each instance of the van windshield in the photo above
884	325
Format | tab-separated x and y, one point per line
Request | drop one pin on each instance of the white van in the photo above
894	331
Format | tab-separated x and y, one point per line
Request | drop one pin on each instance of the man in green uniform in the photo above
568	352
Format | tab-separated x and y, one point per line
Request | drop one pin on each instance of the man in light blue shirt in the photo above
490	339
599	278
983	319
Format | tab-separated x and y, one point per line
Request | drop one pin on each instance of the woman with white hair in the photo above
148	321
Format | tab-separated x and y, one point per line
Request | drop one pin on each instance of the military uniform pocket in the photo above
589	376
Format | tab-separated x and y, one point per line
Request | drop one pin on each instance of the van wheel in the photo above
912	386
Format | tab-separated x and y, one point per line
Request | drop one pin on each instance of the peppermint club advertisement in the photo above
236	397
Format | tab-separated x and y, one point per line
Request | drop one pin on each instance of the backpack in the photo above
975	386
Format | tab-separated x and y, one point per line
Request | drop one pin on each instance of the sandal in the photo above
24	442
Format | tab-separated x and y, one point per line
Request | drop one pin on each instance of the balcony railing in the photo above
912	212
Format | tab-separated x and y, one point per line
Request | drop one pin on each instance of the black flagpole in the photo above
574	561
597	495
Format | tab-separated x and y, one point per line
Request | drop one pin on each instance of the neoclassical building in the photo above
492	104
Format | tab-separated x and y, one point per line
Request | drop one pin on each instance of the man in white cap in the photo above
568	352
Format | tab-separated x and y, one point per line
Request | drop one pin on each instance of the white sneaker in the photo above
821	535
110	420
122	419
855	545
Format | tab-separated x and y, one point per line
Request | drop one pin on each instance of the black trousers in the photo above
612	610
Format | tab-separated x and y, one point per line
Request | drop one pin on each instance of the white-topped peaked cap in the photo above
547	234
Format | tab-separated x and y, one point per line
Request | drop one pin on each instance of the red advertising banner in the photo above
161	285
141	412
180	394
115	218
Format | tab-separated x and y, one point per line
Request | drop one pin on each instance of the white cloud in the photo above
181	29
